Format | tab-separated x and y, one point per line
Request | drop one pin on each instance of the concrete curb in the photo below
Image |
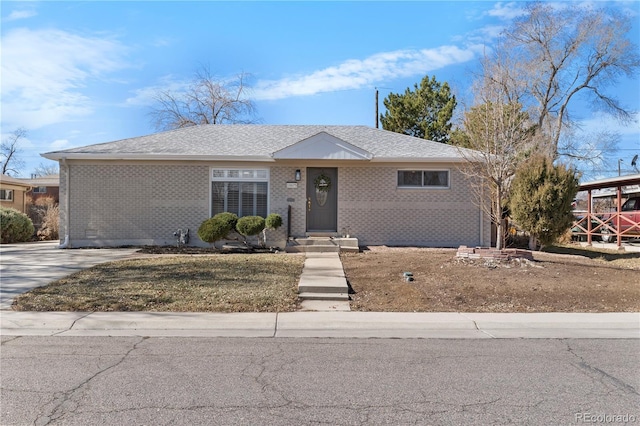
323	324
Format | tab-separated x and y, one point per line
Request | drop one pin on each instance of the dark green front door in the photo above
322	199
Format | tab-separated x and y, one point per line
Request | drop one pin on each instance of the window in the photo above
6	194
39	190
423	178
240	191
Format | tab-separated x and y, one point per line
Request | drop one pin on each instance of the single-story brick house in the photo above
43	187
382	188
13	193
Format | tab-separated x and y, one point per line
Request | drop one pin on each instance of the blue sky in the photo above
79	73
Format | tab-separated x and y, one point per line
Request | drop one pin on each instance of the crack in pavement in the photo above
4	342
262	367
62	401
600	375
72	324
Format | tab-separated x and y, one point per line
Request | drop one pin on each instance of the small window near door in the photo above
6	194
39	190
435	179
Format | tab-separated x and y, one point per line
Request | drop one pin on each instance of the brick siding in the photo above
144	203
123	204
376	211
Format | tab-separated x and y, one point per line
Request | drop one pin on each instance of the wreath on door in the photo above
322	183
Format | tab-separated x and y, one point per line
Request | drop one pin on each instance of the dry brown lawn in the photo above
201	283
569	280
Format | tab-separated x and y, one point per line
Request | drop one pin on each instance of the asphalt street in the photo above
286	381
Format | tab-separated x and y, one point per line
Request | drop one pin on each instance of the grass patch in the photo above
212	283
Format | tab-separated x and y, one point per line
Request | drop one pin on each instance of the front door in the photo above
322	199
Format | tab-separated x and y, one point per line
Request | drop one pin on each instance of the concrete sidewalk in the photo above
324	324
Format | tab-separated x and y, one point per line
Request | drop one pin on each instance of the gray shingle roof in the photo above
258	141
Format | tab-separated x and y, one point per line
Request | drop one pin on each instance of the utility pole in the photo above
376	107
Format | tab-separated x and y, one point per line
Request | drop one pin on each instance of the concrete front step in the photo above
328	286
308	248
324	296
321	244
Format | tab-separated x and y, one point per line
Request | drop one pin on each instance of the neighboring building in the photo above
13	193
45	186
378	186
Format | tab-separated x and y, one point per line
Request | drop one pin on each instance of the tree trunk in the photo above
533	243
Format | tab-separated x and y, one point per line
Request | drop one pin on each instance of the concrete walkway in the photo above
323	286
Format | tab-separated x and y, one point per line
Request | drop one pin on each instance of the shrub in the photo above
230	219
250	225
15	226
50	229
273	221
541	196
45	215
213	229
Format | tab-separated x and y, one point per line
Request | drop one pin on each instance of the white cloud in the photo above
507	11
358	73
59	144
602	121
20	14
146	95
44	73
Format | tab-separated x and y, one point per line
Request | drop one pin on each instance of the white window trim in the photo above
226	178
423	187
240	178
37	190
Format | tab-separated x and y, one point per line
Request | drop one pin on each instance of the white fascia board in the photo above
153	157
418	160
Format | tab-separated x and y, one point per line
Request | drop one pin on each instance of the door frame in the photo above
310	193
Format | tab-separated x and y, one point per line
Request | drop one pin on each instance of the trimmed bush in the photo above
15	226
212	230
250	225
230	219
273	221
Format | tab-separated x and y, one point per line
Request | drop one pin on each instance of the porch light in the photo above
298	175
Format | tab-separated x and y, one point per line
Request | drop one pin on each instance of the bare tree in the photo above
46	170
500	137
551	54
10	152
207	100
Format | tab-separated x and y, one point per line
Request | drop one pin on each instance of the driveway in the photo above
28	265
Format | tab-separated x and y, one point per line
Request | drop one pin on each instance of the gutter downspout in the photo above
65	244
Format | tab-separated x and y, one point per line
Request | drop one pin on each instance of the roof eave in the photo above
419	160
56	156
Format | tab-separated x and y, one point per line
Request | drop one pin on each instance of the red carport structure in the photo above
615	223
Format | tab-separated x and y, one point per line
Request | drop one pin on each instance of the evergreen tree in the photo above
541	196
424	112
